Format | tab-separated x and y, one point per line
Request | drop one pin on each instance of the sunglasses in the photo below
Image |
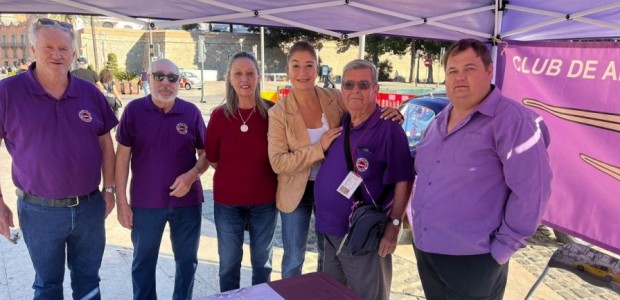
159	76
50	22
362	85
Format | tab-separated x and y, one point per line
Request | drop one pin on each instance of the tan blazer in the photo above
290	152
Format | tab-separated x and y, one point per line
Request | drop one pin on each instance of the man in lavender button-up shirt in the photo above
483	182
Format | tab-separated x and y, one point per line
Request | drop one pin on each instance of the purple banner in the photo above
575	87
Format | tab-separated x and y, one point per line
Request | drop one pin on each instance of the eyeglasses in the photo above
50	22
362	85
159	76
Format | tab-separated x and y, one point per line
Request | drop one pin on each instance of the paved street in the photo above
16	274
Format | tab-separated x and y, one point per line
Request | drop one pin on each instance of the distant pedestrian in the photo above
161	136
23	67
144	78
83	72
59	151
109	90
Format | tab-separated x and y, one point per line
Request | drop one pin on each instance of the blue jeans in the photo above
230	223
295	227
145	87
48	230
146	235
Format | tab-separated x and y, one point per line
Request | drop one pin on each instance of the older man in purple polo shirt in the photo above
56	128
161	136
483	182
380	156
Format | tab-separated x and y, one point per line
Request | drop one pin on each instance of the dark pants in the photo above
53	233
146	235
461	276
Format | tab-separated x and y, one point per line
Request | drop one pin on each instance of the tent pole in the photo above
262	57
362	46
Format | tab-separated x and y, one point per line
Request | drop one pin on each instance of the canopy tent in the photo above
524	20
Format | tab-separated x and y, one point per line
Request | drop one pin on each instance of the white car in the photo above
189	80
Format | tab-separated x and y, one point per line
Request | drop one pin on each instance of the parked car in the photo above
600	271
418	113
189	80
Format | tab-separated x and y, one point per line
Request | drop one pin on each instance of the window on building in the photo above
13	40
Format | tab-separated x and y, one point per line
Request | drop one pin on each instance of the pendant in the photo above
244	128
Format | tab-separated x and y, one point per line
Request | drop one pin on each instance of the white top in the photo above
315	136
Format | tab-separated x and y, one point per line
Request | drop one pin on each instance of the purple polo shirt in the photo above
54	143
483	187
163	146
382	158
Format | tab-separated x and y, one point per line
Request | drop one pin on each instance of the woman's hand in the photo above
329	136
392	113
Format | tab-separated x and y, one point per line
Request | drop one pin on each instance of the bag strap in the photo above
347	154
357	195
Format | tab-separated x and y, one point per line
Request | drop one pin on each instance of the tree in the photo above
189	27
112	63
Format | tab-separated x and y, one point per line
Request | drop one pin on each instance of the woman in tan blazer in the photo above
301	128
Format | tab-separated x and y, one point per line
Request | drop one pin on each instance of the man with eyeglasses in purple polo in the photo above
378	155
162	136
57	129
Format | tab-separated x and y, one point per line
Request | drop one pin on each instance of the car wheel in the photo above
580	268
188	86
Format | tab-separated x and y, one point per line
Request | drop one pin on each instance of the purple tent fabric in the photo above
434	19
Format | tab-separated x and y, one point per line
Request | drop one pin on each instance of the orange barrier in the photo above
392	100
270	95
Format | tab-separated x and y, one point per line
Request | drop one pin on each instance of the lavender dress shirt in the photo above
483	187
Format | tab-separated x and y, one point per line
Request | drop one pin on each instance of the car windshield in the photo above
188	74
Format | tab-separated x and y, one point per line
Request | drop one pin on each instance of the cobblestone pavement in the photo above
16	273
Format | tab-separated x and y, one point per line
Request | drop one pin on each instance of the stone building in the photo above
13	42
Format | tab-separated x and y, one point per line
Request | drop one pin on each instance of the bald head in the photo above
163	63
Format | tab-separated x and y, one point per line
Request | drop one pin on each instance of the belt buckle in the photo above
76	203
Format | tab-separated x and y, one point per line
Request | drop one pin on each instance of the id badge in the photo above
349	185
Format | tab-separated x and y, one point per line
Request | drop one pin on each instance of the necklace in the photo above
244	127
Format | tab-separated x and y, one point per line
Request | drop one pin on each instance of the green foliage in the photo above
189	27
112	63
384	69
125	75
377	45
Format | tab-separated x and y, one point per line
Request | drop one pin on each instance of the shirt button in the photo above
424	228
430	183
437	161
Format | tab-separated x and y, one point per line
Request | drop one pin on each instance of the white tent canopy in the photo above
525	20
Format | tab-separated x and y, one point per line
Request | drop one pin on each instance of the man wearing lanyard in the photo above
380	156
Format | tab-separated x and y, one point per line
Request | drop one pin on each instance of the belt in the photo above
63	202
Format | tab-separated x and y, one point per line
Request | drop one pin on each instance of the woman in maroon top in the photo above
244	185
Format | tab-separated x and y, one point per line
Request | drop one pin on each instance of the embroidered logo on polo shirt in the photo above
182	128
361	164
85	116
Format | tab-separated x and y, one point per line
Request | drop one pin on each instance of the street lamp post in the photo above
241	44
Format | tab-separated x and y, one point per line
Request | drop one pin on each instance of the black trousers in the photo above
461	276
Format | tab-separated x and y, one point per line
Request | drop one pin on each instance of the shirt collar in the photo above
372	120
489	104
176	108
72	91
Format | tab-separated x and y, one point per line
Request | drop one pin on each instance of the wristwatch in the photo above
111	190
395	221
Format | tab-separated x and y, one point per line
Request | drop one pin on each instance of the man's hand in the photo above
183	183
393	114
109	200
6	220
389	240
125	215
